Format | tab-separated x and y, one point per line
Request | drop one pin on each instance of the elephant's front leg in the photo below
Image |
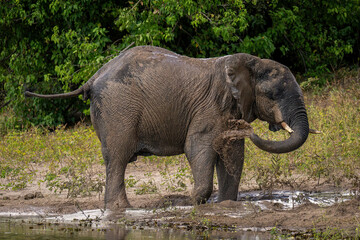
229	183
202	160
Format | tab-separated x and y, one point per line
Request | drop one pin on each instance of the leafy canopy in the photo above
56	46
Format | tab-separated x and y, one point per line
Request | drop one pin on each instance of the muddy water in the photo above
90	224
24	230
292	199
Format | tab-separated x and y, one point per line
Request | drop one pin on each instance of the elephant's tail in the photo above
82	90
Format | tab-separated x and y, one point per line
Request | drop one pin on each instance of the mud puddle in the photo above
282	199
292	199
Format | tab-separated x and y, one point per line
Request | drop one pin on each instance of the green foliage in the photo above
148	186
316	36
51	46
175	182
68	160
76	181
309	36
130	181
194	28
56	46
19	179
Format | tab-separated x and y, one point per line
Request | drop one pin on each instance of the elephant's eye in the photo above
271	94
275	94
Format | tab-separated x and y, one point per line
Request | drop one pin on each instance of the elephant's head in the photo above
267	90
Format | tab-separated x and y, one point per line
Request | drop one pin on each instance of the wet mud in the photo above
226	144
290	212
256	213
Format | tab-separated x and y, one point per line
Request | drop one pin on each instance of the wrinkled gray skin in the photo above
150	101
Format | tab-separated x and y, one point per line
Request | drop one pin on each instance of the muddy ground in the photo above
228	215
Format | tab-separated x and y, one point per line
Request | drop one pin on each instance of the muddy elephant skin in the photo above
151	101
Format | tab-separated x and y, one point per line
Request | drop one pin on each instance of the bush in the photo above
56	46
309	36
52	46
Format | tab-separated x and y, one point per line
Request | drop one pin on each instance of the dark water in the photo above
21	230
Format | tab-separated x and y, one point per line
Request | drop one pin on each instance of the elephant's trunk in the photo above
298	123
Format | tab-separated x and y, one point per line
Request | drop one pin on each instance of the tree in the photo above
52	46
56	46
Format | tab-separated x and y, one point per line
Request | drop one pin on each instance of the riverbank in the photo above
317	209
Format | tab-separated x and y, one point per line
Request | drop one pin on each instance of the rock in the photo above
29	196
6	198
33	195
39	195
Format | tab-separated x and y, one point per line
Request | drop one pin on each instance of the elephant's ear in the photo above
239	70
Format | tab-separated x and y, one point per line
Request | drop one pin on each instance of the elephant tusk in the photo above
286	127
314	131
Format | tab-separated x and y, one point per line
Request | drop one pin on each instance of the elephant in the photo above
152	101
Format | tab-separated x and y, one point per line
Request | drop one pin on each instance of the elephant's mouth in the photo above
278	126
298	129
274	127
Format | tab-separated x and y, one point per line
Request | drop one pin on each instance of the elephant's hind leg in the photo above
117	154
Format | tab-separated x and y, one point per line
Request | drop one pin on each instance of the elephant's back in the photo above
147	67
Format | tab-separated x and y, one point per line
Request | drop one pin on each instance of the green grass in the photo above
69	159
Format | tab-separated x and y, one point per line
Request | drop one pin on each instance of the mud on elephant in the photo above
151	101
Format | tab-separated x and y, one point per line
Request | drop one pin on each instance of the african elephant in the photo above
151	101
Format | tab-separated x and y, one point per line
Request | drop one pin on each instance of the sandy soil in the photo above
242	214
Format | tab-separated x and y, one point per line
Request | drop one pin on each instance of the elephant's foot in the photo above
118	205
116	202
227	196
200	196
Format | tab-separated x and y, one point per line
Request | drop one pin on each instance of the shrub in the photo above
48	47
